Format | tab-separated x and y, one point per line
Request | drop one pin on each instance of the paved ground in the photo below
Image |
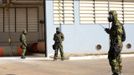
67	67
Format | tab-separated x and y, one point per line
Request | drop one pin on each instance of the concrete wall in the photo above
83	38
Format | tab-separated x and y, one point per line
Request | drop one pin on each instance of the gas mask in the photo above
110	18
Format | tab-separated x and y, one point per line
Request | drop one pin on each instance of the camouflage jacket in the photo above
116	30
58	37
23	41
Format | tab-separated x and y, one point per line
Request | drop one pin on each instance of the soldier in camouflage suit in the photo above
23	43
115	33
58	38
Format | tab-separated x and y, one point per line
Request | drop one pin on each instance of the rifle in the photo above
102	26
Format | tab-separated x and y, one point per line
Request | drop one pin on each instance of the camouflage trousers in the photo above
24	52
59	47
115	60
24	48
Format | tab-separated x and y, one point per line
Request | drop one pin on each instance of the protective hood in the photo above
115	17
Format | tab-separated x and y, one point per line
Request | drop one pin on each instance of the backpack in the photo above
124	34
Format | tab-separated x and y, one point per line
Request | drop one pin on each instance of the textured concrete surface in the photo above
18	66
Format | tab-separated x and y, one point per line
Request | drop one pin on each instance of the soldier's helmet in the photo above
58	29
25	31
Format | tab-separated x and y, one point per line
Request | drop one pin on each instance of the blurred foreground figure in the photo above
23	41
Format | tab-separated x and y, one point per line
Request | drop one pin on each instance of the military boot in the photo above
62	59
115	74
23	57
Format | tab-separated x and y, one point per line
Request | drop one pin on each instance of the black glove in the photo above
107	30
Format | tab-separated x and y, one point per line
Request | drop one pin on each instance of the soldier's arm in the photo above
62	36
119	37
24	40
107	30
119	34
25	43
54	38
119	28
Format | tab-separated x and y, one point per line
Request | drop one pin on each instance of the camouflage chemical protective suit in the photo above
115	33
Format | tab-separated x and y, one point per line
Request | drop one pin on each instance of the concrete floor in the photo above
67	67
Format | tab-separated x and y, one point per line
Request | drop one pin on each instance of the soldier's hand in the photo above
107	30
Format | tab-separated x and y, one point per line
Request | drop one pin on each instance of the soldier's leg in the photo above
23	53
110	58
56	54
116	63
119	60
113	62
61	52
115	67
118	66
